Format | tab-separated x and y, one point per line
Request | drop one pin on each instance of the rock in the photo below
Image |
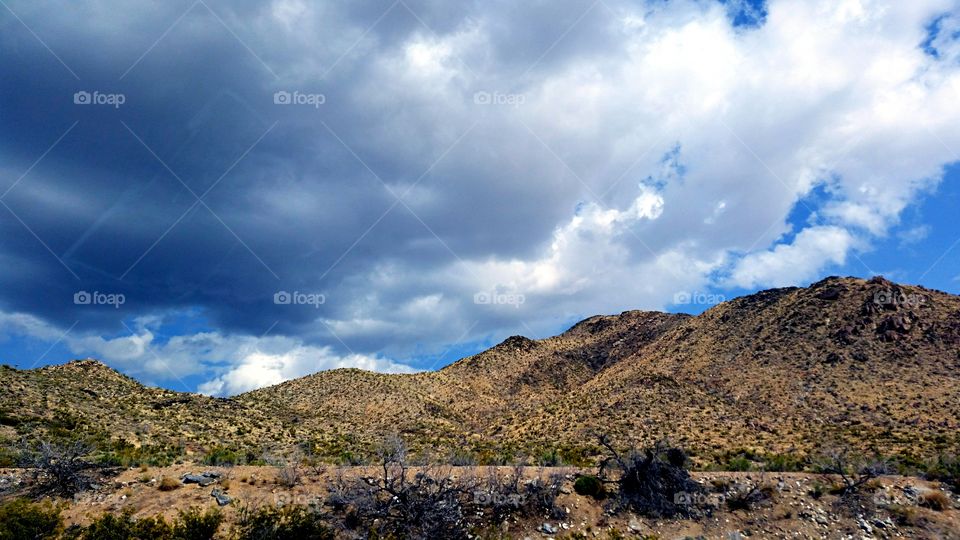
634	527
222	498
211	474
548	528
197	479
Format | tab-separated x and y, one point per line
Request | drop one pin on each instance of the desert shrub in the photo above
196	525
21	519
855	473
189	525
934	500
273	523
289	475
125	527
783	463
739	464
903	515
59	468
749	496
221	456
400	502
589	486
462	458
540	495
653	482
946	469
550	458
124	454
168	484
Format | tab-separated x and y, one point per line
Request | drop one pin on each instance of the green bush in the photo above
20	519
946	469
190	525
125	527
272	523
196	525
589	486
783	463
222	456
739	463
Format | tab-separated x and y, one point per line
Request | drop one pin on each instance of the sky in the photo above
214	196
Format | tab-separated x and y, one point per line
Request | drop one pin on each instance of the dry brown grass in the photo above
934	500
168	484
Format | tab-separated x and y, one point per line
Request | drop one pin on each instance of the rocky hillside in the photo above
870	364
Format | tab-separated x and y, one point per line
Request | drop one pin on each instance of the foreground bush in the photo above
272	523
62	469
190	525
21	519
653	482
402	503
589	486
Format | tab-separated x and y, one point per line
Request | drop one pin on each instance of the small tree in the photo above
855	472
653	482
402	502
60	469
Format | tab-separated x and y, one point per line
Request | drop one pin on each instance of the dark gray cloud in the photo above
617	138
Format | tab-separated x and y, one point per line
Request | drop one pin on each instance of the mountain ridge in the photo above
866	363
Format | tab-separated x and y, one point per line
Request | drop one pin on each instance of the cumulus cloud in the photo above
572	158
230	364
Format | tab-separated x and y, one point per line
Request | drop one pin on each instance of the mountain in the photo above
869	364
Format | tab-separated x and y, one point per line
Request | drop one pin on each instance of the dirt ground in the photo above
891	511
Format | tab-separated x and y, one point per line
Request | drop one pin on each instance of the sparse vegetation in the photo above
60	468
653	482
168	484
22	519
934	500
192	524
273	523
589	486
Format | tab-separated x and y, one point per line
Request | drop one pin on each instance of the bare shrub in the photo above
934	500
855	473
289	475
746	497
403	502
60	468
168	484
653	482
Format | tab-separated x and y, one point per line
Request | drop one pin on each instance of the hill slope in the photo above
870	363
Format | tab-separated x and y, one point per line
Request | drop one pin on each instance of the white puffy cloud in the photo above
649	149
230	364
690	143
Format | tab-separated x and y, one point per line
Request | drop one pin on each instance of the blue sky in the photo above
215	196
